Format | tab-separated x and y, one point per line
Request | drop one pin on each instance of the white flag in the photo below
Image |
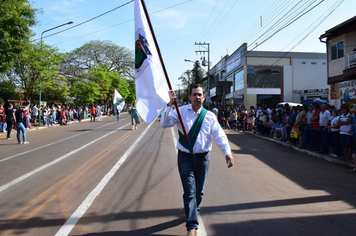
119	101
151	88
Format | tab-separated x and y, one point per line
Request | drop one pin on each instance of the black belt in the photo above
192	154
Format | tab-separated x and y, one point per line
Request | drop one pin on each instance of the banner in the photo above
151	88
119	101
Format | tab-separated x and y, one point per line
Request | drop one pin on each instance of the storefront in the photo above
344	91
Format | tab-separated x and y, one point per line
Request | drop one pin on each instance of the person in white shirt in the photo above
324	121
194	157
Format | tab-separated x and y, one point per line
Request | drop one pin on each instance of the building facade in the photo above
261	77
341	61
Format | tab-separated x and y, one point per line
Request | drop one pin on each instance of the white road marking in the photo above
23	177
50	144
75	217
201	229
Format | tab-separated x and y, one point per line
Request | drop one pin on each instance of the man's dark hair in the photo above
194	86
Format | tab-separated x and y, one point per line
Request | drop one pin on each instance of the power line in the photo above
217	17
124	22
87	20
222	19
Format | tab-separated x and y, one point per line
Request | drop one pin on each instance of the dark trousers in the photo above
9	128
324	134
316	138
307	140
336	142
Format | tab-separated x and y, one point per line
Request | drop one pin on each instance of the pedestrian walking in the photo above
194	157
135	119
100	114
92	113
20	125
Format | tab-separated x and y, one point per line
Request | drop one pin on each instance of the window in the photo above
263	77
313	63
303	62
337	50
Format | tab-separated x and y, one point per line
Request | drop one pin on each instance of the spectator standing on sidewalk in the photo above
292	119
19	125
34	114
307	137
345	122
335	134
25	117
324	121
2	119
10	118
353	111
301	124
316	131
250	117
226	118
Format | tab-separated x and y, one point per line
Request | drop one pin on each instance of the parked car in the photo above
291	104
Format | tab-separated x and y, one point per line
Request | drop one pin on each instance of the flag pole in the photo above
164	68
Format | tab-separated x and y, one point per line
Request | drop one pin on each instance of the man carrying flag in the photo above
194	156
151	90
119	103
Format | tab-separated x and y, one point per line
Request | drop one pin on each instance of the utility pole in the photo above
206	47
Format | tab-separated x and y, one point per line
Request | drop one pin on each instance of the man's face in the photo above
197	97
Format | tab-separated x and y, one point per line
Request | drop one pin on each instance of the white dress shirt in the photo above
324	118
210	129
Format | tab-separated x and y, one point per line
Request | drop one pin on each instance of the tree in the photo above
7	90
191	77
16	19
35	64
99	54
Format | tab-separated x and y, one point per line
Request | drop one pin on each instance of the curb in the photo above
310	153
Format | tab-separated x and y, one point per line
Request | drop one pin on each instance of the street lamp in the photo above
39	104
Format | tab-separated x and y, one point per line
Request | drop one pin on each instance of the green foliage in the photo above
38	62
7	90
16	19
87	92
99	54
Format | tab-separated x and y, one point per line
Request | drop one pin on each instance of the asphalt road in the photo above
103	179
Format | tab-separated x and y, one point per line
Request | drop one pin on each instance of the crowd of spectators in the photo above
50	115
317	127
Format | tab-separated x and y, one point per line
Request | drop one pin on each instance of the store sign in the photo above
343	90
233	62
315	93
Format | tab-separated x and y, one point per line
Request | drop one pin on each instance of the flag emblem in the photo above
141	50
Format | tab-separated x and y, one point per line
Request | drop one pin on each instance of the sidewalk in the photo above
311	153
45	127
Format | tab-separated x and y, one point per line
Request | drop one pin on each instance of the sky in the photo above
179	24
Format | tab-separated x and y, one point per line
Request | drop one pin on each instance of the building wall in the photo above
287	84
350	40
268	61
336	67
309	74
